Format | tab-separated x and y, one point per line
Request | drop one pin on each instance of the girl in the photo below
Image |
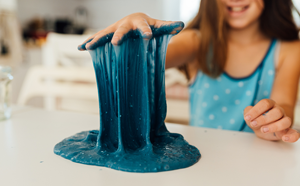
238	55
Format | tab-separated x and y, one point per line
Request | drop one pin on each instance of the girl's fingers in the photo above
101	37
159	23
259	109
291	136
116	32
169	27
273	115
178	26
278	130
120	32
144	29
82	46
277	126
246	110
96	41
280	134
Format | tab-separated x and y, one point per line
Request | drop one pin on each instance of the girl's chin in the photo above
238	24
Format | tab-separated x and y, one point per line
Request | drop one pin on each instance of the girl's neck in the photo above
247	35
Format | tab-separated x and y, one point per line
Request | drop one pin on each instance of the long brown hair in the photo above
276	21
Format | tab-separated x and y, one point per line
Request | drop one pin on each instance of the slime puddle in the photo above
131	88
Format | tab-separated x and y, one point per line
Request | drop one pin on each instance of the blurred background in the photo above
39	38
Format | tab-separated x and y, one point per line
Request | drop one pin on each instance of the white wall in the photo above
8	4
171	10
102	13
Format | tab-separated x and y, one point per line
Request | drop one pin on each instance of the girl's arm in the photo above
277	122
182	48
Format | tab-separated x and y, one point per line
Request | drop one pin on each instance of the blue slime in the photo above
131	88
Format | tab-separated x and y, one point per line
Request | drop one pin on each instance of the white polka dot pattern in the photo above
270	72
216	97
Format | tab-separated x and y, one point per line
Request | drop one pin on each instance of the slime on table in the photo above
131	88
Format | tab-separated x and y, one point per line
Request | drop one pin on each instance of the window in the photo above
296	16
188	9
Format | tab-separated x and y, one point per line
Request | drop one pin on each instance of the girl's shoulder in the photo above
289	53
290	46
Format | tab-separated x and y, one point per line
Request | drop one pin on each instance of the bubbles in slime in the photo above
132	103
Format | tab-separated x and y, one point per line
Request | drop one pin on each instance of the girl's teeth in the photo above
237	9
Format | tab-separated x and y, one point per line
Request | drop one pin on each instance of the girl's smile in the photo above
236	11
242	13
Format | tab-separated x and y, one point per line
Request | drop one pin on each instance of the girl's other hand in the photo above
136	21
269	121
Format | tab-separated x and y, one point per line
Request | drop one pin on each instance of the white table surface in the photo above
228	158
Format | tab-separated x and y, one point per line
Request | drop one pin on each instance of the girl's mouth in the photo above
236	10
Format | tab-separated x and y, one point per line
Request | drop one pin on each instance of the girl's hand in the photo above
269	121
136	21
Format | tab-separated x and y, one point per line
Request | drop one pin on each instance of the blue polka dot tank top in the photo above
220	103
